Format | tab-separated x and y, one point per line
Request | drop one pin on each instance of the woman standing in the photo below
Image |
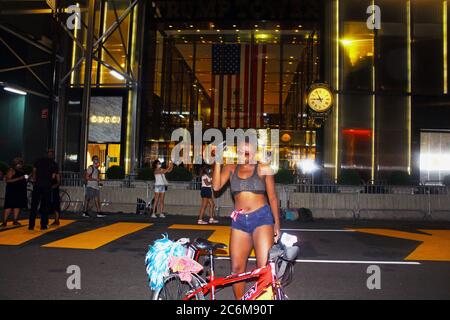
16	192
256	222
206	195
160	187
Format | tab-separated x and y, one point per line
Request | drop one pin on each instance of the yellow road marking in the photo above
19	235
435	244
220	234
23	222
99	237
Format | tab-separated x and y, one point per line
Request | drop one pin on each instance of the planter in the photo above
350	189
112	183
402	190
142	184
179	185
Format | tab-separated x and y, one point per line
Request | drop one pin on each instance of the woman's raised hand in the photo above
212	152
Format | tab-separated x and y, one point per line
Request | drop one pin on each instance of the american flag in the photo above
237	93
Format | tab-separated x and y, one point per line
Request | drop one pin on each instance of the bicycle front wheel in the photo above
176	289
64	199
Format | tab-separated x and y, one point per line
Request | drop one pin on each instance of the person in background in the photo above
207	197
160	187
55	205
16	192
44	171
92	178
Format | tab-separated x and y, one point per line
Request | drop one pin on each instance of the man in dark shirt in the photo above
44	172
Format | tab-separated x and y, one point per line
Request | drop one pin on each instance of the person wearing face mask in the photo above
92	178
207	198
160	187
16	192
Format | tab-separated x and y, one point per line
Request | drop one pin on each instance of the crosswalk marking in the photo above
19	235
99	237
435	244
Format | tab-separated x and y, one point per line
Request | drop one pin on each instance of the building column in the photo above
86	99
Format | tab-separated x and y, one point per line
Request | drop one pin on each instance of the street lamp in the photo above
308	166
17	91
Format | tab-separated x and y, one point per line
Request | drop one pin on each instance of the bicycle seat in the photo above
204	244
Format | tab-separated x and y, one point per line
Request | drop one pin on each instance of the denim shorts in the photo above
160	189
206	192
250	221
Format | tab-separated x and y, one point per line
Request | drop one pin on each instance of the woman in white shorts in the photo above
160	187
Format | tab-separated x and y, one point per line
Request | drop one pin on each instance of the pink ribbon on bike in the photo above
185	267
235	214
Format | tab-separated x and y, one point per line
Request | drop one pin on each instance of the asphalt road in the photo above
413	258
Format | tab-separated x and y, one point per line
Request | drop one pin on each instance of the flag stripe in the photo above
220	102
246	85
228	91
258	91
213	103
261	78
254	86
237	111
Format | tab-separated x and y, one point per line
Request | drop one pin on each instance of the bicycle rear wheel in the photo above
176	289
64	199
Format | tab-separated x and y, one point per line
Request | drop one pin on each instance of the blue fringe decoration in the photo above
157	260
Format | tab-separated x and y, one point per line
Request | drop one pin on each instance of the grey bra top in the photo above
252	184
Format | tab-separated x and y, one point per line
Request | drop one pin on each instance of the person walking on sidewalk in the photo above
16	192
160	187
92	178
44	171
207	197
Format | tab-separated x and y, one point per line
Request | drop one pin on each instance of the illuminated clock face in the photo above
320	99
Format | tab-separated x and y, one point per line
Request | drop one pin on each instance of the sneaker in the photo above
16	223
85	215
44	228
162	215
201	222
100	216
56	223
3	225
30	228
153	216
213	221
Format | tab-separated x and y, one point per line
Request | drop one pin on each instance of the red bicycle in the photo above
269	280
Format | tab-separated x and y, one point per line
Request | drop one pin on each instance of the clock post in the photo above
320	100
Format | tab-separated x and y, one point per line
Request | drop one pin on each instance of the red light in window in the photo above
358	132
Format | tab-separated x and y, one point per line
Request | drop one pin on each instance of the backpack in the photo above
305	215
290	215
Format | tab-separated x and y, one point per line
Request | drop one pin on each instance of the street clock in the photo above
320	98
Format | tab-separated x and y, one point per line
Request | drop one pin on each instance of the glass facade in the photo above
114	49
376	74
241	70
113	72
434	155
274	64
